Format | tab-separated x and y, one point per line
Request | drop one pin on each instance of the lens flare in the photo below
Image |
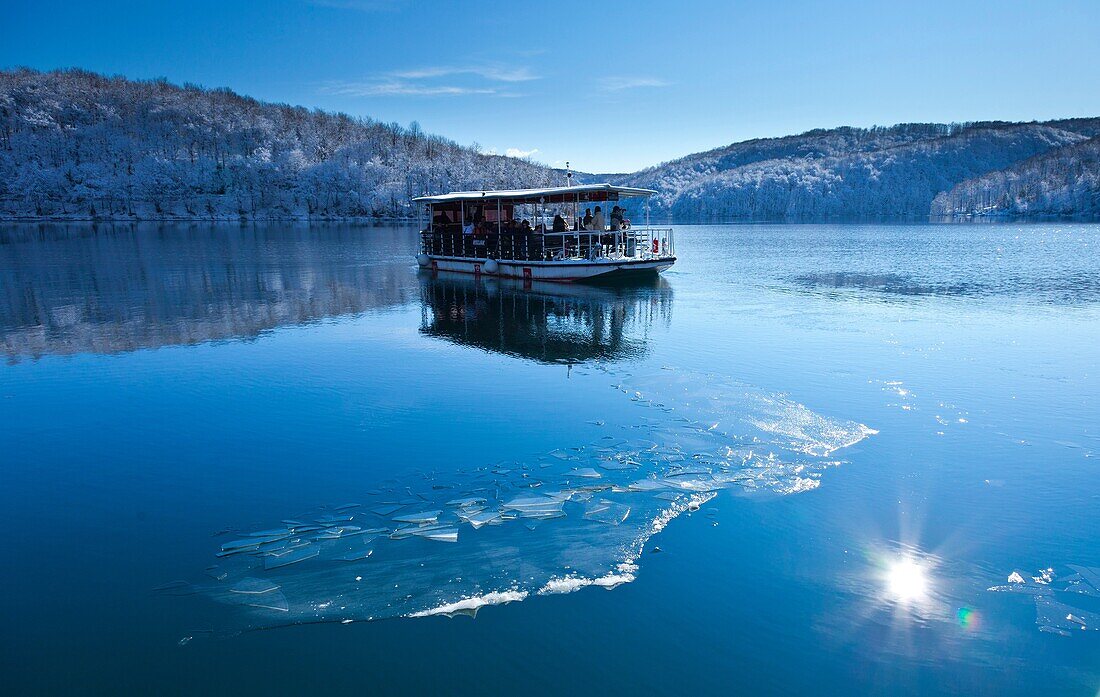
968	618
906	581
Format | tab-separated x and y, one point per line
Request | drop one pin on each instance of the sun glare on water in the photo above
906	581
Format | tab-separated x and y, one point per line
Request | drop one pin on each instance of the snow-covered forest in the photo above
849	172
74	144
1061	182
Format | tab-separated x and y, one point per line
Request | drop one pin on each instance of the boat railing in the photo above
632	243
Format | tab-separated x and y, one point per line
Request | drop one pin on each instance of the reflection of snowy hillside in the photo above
72	288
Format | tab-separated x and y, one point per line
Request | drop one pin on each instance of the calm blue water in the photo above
852	432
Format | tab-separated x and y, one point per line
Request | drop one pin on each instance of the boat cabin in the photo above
567	233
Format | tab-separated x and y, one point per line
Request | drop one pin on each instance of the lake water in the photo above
797	463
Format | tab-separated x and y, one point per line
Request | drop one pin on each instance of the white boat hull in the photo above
565	271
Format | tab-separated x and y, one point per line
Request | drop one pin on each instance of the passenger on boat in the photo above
586	221
616	218
481	239
559	224
509	243
597	220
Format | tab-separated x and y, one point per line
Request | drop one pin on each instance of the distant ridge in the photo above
852	173
75	144
1061	182
79	145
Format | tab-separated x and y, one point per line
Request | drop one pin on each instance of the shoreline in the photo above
894	220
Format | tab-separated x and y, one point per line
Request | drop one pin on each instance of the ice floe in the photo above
1057	611
624	573
576	517
470	606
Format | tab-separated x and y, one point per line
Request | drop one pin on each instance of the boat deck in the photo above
562	256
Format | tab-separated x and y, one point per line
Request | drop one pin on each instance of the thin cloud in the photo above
398	88
435	81
614	84
494	73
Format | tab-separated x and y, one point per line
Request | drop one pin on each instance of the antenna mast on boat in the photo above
569	183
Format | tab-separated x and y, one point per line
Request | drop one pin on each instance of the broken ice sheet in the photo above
539	506
648	485
1057	617
273	534
176	588
251	543
586	472
254	586
466	502
615	465
1085	580
605	511
1056	596
294	556
273	600
479	518
357	555
387	510
284	548
742	410
421	517
328	519
438	533
529	521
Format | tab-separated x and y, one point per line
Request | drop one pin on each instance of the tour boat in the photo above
542	234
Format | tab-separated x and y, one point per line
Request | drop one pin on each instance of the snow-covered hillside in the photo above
77	144
74	144
846	172
1061	182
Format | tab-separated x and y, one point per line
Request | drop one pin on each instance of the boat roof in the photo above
553	194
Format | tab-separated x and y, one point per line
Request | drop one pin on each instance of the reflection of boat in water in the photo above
545	322
490	233
77	288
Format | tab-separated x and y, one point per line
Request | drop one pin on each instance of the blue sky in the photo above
607	89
